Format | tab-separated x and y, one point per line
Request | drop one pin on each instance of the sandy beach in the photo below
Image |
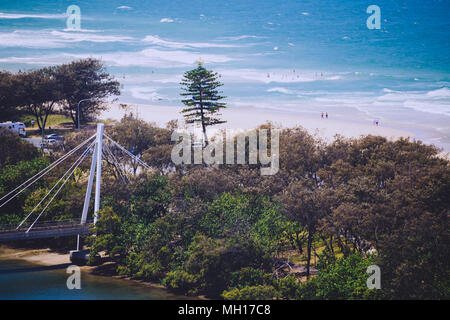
248	118
37	256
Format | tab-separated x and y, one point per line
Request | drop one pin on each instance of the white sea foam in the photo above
37	60
167	20
52	39
78	37
146	93
125	8
157	77
236	38
157	58
145	58
280	90
441	93
81	30
29	39
434	101
435	107
155	40
35	16
388	104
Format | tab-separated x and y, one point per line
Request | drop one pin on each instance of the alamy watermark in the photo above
73	21
374	280
191	149
374	20
74	280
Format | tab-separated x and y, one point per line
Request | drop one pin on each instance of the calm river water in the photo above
22	280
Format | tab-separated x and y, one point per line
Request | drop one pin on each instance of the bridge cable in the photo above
48	168
76	164
142	163
115	163
110	161
128	153
41	173
56	184
122	170
50	191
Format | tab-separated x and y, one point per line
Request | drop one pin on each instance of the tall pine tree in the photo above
203	105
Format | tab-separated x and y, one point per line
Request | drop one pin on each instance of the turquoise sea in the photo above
303	56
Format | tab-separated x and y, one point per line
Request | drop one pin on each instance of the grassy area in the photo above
56	123
52	121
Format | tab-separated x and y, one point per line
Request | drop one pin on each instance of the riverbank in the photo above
44	257
48	258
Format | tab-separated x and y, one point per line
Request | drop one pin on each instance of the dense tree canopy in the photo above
86	80
226	231
7	97
40	92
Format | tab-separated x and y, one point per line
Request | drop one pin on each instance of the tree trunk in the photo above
203	120
308	259
38	122
74	119
203	123
331	246
44	121
299	243
204	131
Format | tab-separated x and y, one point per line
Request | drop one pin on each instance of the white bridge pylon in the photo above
96	169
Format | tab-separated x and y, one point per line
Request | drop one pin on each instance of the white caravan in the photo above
18	127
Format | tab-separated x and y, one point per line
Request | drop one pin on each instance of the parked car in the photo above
52	141
53	136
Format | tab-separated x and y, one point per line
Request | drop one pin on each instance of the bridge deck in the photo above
45	231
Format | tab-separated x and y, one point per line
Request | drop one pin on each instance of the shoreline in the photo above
251	117
349	125
47	257
44	257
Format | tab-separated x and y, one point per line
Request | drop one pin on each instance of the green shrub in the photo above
261	292
344	279
180	280
288	288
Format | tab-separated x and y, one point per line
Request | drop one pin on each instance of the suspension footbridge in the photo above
31	227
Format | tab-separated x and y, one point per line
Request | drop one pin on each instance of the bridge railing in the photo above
67	223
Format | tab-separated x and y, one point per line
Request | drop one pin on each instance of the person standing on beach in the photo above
326	115
322	115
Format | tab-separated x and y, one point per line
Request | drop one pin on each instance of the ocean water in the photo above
303	56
